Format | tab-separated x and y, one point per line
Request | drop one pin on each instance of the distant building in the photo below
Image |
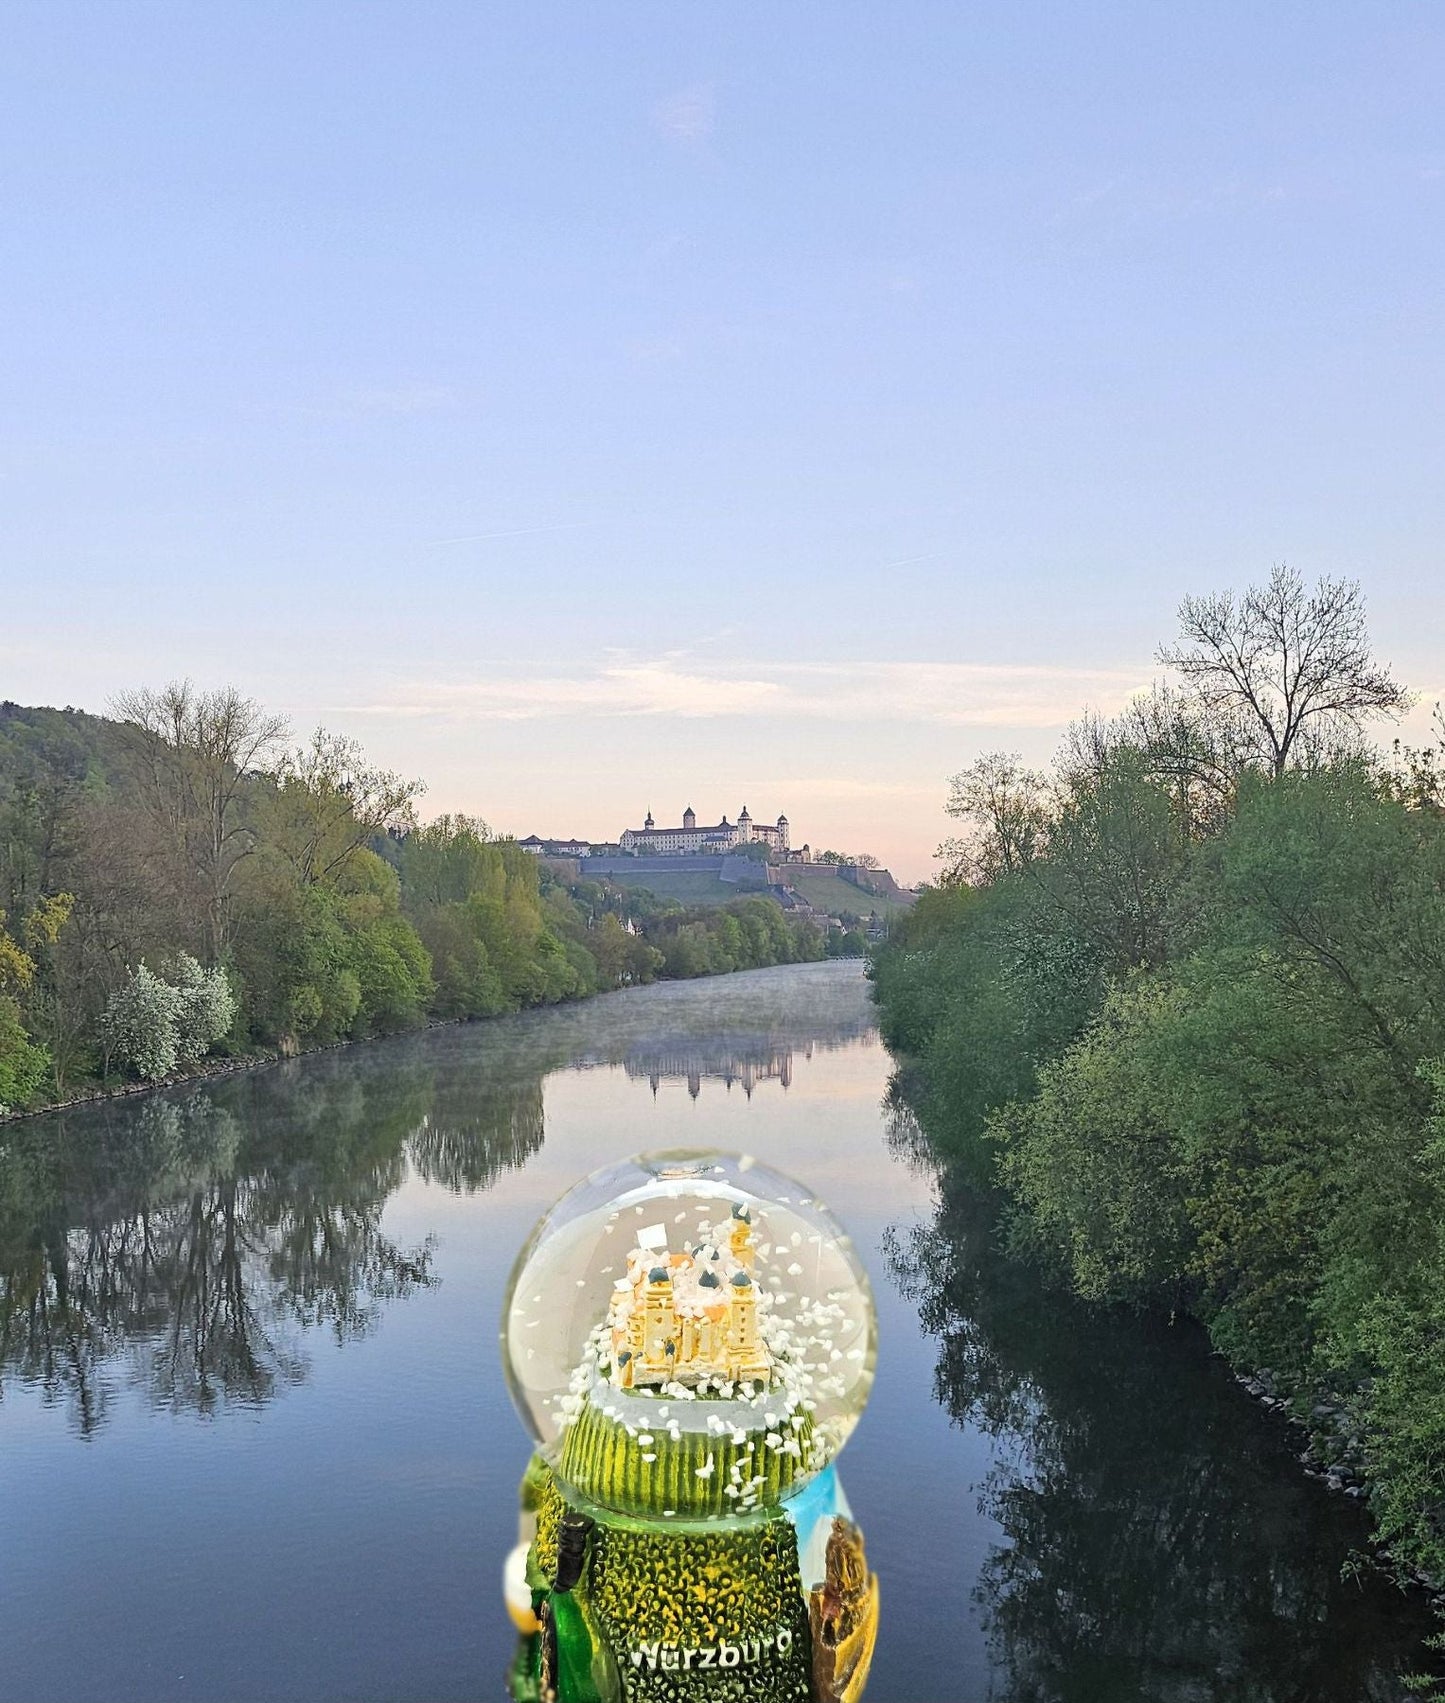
682	1061
651	841
555	848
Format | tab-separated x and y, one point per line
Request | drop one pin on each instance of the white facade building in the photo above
689	839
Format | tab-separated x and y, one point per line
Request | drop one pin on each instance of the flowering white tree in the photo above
152	1026
205	1008
140	1024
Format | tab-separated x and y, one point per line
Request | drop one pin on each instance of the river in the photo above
255	1441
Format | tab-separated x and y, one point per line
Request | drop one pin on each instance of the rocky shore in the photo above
1336	1454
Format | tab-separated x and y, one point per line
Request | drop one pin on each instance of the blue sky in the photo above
600	407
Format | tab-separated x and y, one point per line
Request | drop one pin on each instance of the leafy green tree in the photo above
205	1008
22	1063
1184	1001
1005	809
293	959
479	903
325	803
1093	1157
383	951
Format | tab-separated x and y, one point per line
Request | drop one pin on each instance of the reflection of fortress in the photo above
691	1062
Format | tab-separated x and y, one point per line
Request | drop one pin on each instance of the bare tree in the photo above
1287	667
193	753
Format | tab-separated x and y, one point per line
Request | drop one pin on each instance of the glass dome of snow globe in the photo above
689	1336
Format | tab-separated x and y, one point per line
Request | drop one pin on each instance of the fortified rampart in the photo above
736	871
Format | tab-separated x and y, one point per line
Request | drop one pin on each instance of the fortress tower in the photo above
740	1243
747	1350
655	1335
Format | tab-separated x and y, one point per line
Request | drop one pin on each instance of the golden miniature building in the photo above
689	1317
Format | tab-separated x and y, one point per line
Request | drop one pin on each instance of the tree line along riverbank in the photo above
179	887
1181	1003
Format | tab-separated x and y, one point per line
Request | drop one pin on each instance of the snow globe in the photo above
690	1338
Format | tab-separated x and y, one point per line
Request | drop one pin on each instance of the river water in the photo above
255	1441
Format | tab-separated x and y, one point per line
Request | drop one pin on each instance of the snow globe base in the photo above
626	1610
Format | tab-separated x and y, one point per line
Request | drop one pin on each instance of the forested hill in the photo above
49	759
1182	1002
181	879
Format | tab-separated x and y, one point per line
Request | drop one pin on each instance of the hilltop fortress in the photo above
713	862
689	840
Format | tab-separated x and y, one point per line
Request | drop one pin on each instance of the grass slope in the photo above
689	888
826	890
821	886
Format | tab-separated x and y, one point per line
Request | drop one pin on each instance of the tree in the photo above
328	803
1092	1156
192	754
1007	811
54	1016
205	1008
140	1024
1418	775
152	1025
22	1063
1116	851
1290	668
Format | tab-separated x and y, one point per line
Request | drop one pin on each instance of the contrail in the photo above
518	532
909	560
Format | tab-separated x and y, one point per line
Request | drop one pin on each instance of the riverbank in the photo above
1336	1456
1205	1065
209	1068
125	943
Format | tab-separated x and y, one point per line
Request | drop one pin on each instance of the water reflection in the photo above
1161	1543
763	1049
1144	1532
746	1067
183	1246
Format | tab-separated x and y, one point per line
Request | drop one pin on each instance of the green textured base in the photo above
697	1475
700	1616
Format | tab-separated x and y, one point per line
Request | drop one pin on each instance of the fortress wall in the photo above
569	868
685	865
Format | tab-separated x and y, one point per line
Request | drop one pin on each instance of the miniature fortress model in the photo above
688	1318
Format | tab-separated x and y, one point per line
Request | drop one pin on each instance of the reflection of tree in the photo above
1161	1542
185	1246
466	1141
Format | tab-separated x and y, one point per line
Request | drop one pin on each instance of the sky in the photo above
595	408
